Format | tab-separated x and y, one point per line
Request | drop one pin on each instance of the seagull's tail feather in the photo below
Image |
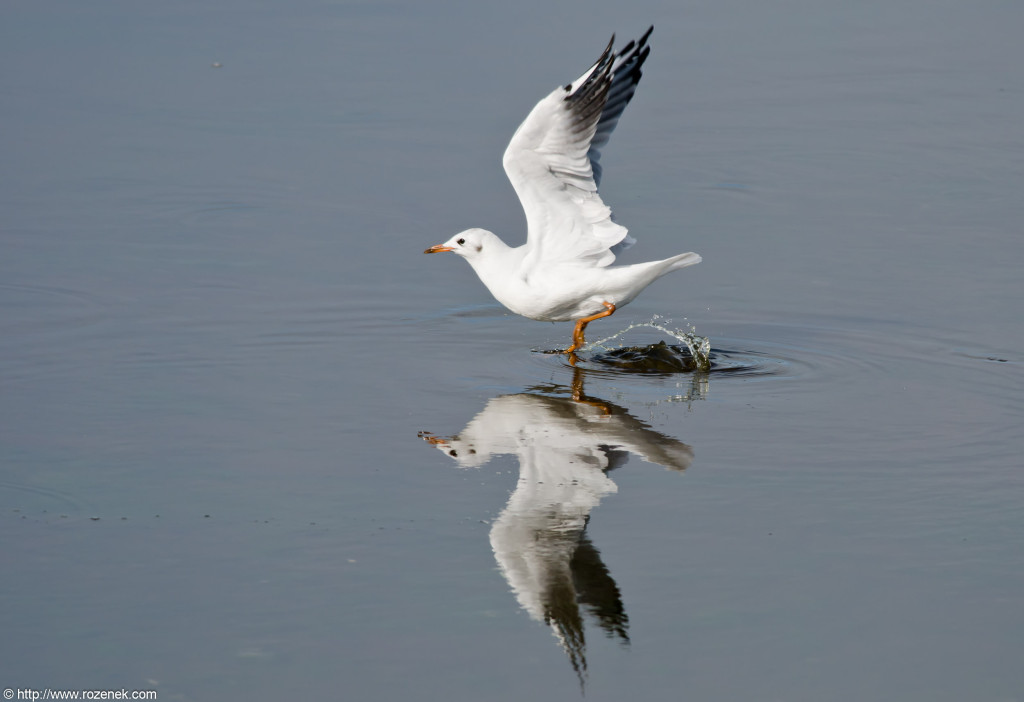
683	260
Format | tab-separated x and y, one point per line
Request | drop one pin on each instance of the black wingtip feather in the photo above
598	101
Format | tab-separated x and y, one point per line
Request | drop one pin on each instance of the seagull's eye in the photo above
460	242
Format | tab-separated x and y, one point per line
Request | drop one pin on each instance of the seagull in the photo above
563	272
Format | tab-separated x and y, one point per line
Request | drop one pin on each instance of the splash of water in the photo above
699	346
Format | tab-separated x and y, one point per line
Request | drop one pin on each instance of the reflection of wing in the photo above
597	591
551	567
552	160
565	448
625	432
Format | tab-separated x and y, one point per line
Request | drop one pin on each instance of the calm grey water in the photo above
220	344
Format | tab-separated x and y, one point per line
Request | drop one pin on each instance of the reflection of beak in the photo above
439	249
429	436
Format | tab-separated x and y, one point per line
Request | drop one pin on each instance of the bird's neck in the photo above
496	269
497	258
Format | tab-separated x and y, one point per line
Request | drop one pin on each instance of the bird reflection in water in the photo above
566	442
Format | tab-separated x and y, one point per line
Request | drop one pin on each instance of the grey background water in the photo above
220	340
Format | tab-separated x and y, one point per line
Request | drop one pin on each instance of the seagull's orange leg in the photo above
581	324
577	390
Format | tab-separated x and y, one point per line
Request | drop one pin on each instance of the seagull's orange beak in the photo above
429	436
440	248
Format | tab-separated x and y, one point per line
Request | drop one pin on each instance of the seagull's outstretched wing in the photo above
552	161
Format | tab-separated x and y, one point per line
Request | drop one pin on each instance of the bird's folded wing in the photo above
552	161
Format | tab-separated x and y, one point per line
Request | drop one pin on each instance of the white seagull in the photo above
563	273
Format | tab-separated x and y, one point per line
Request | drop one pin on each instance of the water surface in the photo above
222	349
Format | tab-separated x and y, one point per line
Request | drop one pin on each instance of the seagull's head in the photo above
468	244
461	450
